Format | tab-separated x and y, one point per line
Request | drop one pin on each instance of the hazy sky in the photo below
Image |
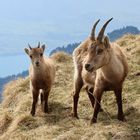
58	22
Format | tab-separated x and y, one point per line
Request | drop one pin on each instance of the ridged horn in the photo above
30	47
38	45
93	30
101	33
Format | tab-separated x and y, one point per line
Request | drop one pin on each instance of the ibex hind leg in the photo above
42	99
46	95
118	94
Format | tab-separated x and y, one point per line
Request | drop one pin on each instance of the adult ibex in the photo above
101	66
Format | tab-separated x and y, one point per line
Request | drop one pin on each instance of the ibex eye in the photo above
41	54
31	57
99	51
92	46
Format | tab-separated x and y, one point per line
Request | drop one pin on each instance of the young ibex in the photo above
101	66
42	74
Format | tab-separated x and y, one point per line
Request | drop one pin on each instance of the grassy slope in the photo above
16	122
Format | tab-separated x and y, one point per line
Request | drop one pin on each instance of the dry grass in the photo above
61	57
17	123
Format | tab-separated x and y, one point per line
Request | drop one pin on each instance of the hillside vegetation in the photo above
16	122
7	79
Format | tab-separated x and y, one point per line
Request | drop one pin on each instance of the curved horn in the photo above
30	47
38	45
93	30
101	33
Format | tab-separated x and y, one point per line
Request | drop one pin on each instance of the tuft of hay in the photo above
61	57
5	121
13	91
27	122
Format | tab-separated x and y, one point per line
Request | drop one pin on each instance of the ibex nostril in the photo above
37	63
87	66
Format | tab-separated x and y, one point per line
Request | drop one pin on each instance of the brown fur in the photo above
41	77
106	72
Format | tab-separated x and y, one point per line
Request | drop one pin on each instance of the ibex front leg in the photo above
35	94
97	95
91	97
77	87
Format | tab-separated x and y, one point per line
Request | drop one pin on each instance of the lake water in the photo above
13	64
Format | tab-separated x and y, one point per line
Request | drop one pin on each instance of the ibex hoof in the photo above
46	111
122	119
32	113
101	110
74	115
93	121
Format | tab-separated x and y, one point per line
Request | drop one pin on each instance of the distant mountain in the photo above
7	79
114	35
68	49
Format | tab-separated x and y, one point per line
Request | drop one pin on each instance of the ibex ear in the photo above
27	51
106	42
43	47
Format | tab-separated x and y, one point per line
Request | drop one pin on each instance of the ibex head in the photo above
98	50
36	54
